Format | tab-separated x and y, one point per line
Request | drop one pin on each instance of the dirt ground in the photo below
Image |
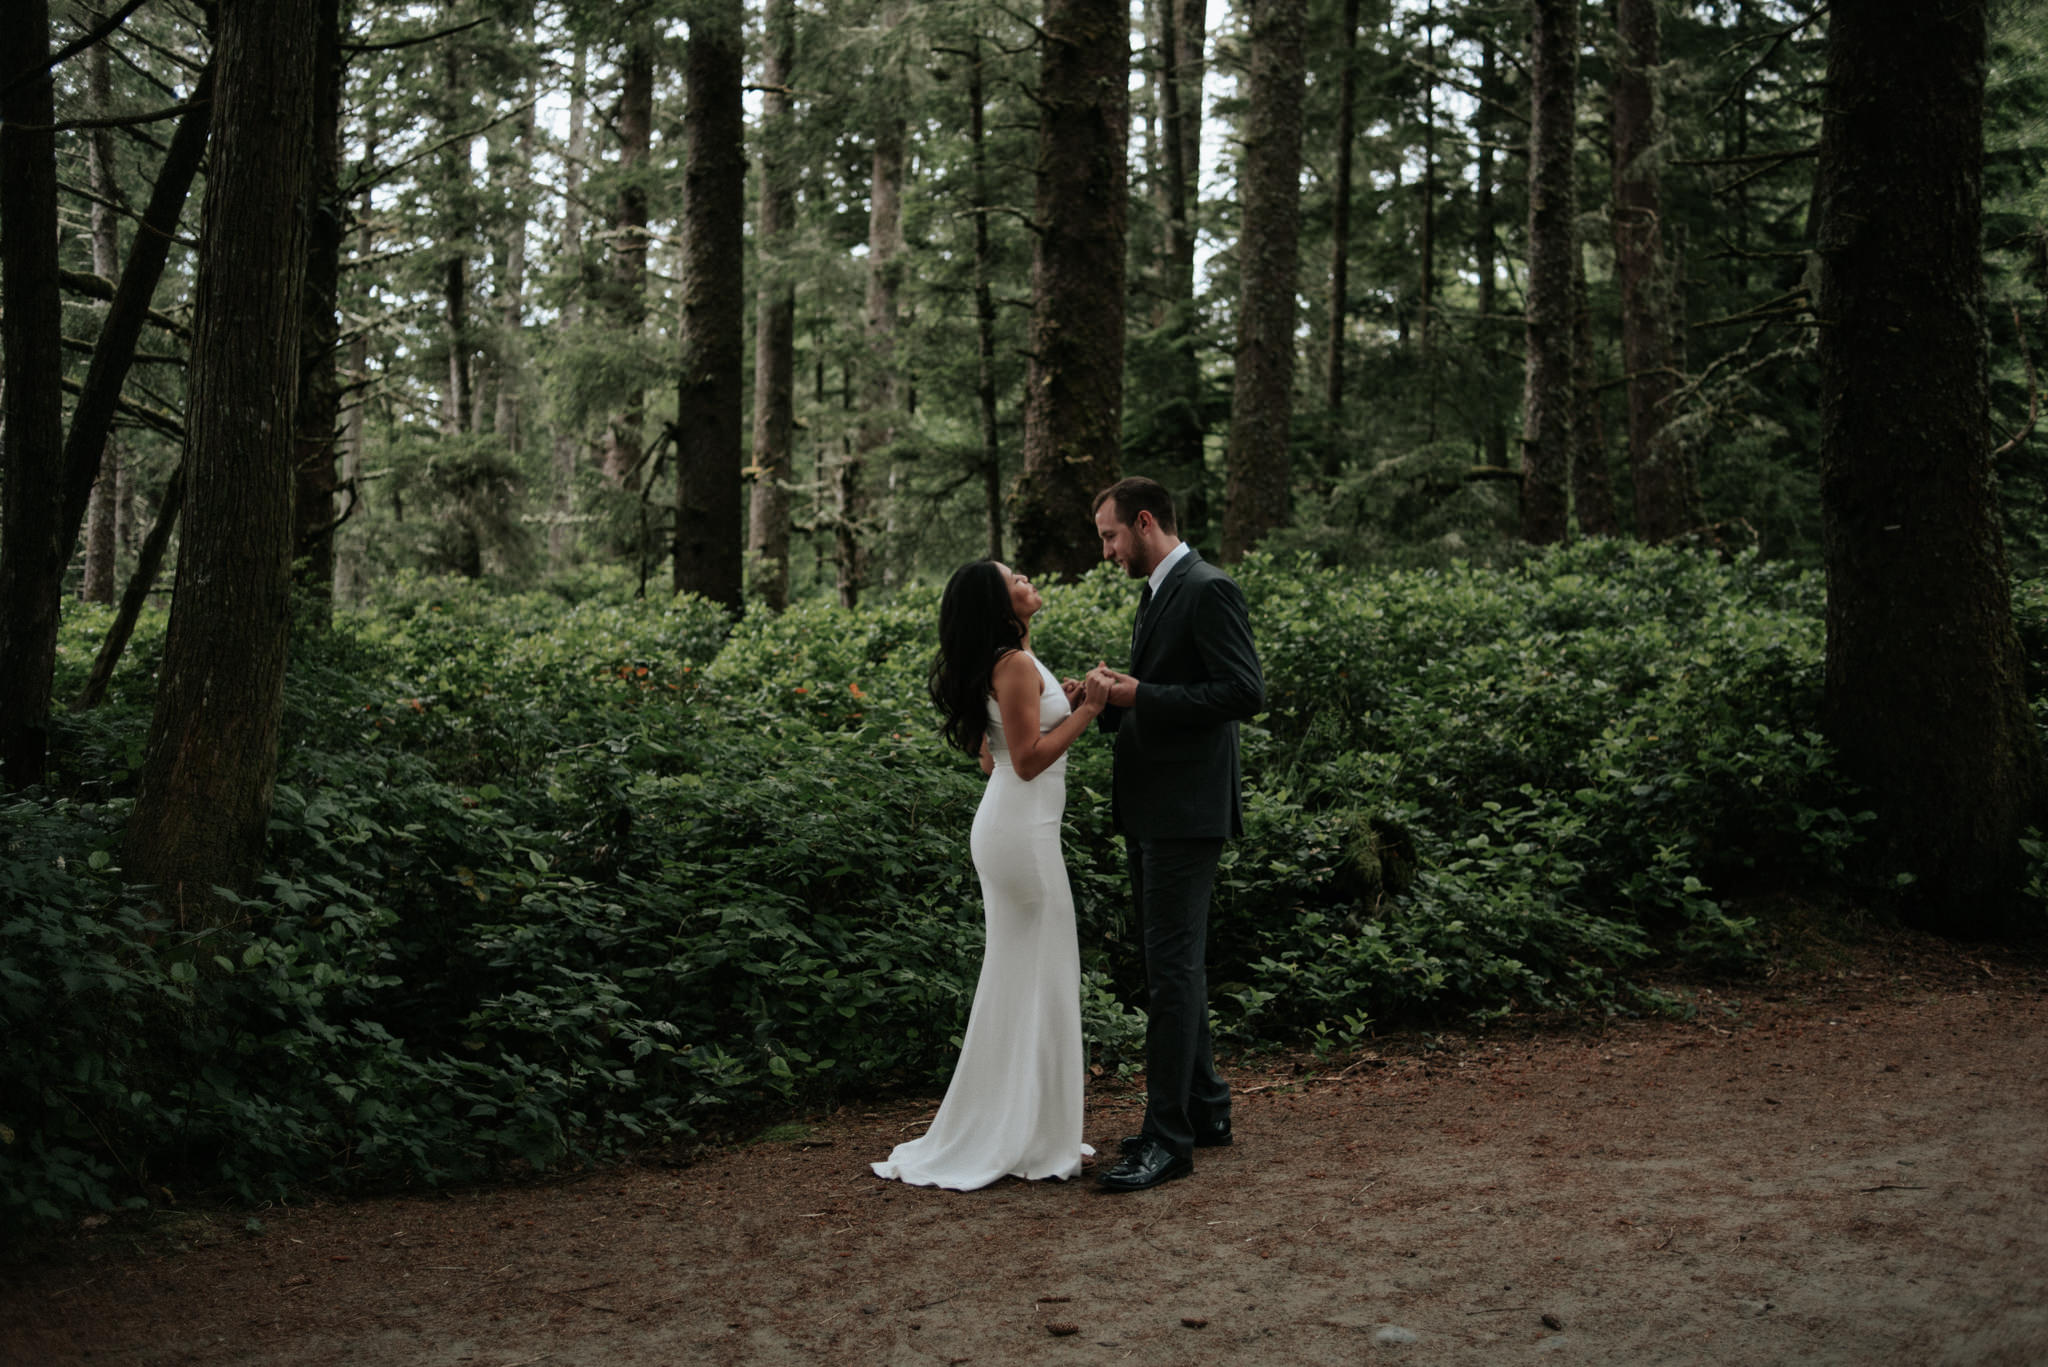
1843	1164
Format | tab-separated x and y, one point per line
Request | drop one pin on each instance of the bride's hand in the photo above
1095	690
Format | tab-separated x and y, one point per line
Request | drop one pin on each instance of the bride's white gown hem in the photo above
1013	1108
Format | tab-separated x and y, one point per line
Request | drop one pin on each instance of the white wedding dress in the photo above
1014	1106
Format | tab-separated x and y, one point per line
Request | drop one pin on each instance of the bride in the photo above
1014	1106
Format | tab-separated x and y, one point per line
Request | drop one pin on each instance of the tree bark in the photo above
1259	463
1334	443
319	402
507	421
774	321
1547	388
34	540
1073	390
455	189
1667	501
561	534
211	757
102	512
1592	493
1485	247
708	555
1183	30
149	559
1425	298
351	574
1925	697
623	439
881	399
984	314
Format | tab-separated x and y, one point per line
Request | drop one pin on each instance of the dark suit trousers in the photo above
1171	881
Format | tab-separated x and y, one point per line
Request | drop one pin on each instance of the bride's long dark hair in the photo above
977	626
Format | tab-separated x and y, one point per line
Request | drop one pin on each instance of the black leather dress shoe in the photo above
1215	1135
1152	1164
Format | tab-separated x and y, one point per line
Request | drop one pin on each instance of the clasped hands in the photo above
1101	684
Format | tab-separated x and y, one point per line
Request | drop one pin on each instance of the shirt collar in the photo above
1165	565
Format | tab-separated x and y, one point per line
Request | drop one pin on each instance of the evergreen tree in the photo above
203	803
708	556
1925	698
1259	459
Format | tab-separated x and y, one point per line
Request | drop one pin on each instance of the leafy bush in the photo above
554	873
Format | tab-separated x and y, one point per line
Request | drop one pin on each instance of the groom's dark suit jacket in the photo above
1177	771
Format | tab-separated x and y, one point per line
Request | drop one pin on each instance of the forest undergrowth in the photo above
562	873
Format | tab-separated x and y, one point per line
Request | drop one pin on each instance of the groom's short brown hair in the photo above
1136	494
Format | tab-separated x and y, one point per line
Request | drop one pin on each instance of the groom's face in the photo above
1123	542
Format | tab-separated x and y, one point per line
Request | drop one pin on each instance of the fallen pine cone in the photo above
1552	1322
1193	1323
1060	1329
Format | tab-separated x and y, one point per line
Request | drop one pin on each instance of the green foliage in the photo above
556	873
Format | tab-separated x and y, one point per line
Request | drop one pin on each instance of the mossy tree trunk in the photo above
1259	463
1667	497
203	802
1547	375
709	527
1073	391
774	320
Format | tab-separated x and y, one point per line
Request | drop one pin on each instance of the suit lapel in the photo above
1162	601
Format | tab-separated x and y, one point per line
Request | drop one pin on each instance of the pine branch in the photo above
399	44
96	287
175	111
156	420
72	48
1776	40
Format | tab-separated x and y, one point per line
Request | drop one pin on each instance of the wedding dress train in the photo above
1014	1106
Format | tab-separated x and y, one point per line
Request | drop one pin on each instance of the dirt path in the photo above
1849	1168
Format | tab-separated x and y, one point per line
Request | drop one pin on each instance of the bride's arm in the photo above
987	757
1018	685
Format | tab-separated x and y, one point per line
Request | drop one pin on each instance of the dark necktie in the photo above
1138	623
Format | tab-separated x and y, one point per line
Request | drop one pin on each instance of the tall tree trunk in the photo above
774	321
1547	389
708	555
1425	299
33	545
1925	695
1340	249
984	313
1182	39
204	797
1258	460
622	446
567	443
1666	491
351	574
103	512
506	421
881	399
1073	389
1592	494
113	354
1494	440
319	402
455	393
149	559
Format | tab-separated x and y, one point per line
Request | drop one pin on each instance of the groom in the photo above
1194	676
